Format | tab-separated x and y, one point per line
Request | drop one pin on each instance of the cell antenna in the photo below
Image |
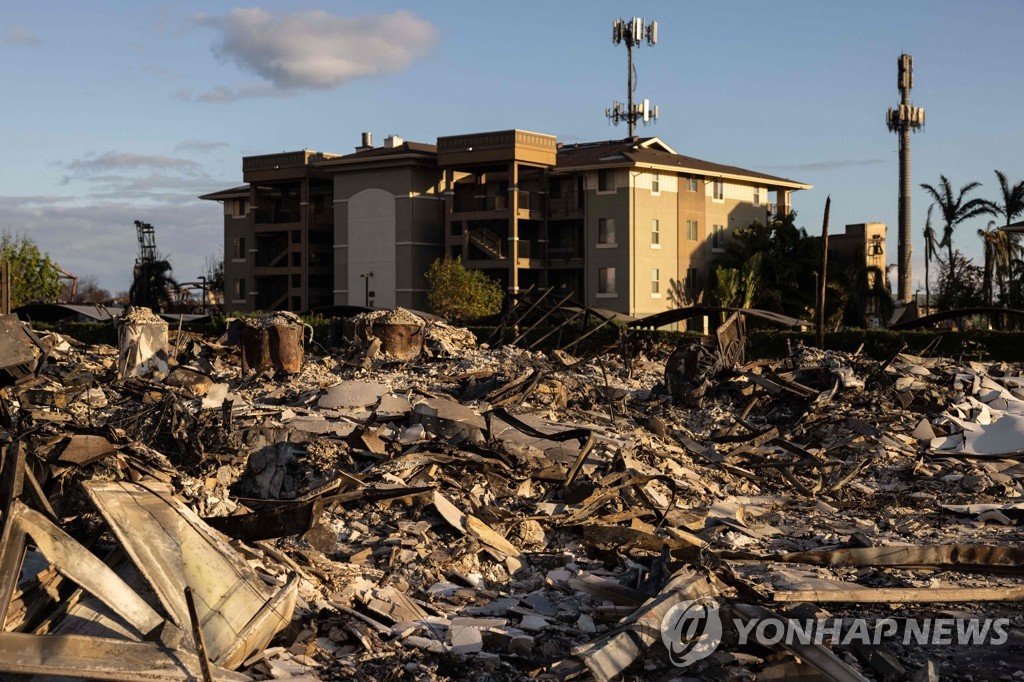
633	33
903	120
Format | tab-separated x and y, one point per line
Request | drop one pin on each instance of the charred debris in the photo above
414	504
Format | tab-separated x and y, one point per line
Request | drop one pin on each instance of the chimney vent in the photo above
392	141
367	143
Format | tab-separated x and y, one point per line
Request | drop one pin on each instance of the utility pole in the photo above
903	120
633	33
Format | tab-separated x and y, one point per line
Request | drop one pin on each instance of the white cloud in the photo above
96	163
314	49
201	146
18	35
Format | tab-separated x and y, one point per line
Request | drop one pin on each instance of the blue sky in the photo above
114	112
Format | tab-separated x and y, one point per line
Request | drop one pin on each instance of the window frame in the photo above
694	235
609	185
606	227
603	280
655	283
690	282
718	238
655	233
718	190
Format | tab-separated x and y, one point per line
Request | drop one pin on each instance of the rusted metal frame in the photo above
498	335
566	347
532	307
556	329
550	311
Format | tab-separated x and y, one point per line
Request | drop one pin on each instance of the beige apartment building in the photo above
627	225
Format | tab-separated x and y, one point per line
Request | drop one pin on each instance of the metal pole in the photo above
629	112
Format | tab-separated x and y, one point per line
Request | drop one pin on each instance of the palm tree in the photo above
955	210
931	247
1012	205
989	238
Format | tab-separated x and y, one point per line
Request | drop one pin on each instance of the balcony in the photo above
480	202
273	216
565	205
474	203
565	250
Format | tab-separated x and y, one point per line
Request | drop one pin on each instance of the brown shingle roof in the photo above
650	151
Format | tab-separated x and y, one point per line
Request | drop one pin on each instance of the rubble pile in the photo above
502	514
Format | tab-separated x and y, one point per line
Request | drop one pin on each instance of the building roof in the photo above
653	153
233	193
1014	227
405	149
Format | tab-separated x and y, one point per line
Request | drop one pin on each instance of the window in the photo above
296	259
238	249
718	237
655	183
718	191
691	230
240	291
606	231
606	282
693	184
236	208
691	278
655	234
757	196
605	180
655	283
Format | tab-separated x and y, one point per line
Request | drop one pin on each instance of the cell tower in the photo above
633	33
904	119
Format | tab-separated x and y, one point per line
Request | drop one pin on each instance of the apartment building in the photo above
628	225
279	234
862	245
388	206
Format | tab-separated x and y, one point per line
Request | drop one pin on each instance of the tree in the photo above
88	290
782	277
213	271
152	285
999	252
931	247
1012	199
955	209
33	275
1007	247
960	284
458	294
